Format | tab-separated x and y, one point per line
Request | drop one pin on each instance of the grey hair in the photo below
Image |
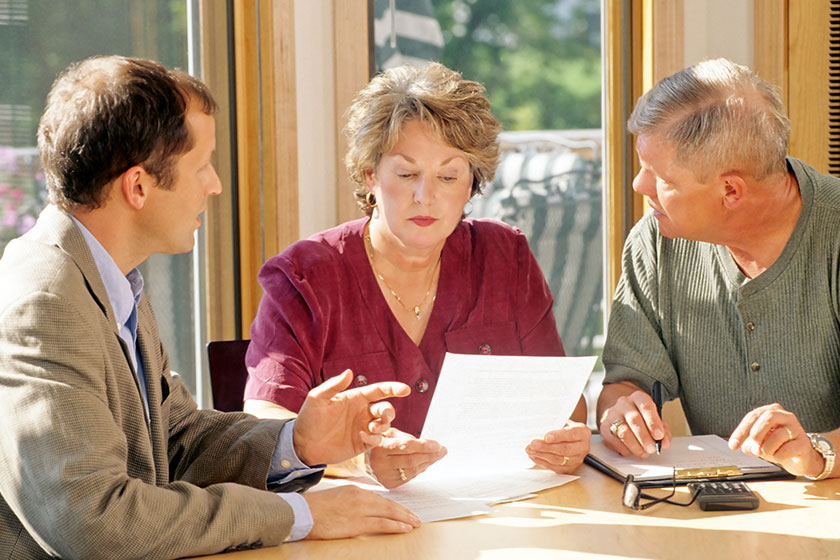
719	116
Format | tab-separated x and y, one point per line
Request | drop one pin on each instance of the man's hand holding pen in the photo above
656	395
634	425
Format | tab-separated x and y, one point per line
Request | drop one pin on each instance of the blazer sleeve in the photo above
209	447
79	472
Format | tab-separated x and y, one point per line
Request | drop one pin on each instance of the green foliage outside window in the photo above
540	60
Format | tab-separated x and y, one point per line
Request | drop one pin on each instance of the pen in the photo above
656	394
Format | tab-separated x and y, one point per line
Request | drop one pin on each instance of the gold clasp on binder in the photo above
713	472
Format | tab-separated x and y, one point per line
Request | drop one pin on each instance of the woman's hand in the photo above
563	450
399	457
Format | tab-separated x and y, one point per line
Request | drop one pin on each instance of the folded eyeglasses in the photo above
632	495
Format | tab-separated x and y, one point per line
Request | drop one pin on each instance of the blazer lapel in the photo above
156	386
56	227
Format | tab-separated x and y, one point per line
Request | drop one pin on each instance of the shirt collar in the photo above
123	290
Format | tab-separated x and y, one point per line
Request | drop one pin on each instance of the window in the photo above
38	39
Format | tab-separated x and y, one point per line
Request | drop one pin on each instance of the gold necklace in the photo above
417	309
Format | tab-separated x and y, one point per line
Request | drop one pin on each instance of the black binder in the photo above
744	468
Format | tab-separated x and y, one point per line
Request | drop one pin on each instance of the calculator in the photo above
723	495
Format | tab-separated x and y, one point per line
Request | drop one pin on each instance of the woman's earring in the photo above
468	208
370	198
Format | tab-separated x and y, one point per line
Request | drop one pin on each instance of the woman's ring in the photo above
790	434
616	425
403	476
565	460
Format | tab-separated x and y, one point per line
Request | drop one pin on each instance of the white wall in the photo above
314	63
719	28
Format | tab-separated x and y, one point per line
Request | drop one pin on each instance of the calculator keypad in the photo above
724	495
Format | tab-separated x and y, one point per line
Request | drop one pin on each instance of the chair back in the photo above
228	374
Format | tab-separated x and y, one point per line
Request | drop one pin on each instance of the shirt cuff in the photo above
285	464
303	517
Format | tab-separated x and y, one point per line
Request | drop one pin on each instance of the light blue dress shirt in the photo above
124	293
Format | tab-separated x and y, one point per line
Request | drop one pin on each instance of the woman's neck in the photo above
408	282
393	258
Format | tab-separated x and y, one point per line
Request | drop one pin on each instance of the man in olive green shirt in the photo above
729	292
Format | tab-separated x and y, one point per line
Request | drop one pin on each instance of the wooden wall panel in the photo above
285	213
352	72
770	32
808	73
667	32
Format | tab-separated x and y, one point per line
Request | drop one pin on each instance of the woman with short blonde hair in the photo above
387	295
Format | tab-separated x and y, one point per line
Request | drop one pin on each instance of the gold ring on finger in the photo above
790	434
616	425
403	476
565	461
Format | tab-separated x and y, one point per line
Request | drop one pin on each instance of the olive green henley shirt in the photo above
685	314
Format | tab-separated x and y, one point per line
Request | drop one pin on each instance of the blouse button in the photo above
484	349
360	381
754	366
750	326
421	385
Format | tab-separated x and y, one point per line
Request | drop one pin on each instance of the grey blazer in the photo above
82	472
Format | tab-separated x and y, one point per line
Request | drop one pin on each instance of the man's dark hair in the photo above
109	113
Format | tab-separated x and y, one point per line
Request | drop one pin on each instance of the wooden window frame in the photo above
642	44
221	229
257	214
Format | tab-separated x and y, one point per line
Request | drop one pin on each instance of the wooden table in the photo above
795	519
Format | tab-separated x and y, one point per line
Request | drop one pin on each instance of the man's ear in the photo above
733	188
135	183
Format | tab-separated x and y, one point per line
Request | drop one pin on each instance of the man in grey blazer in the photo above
103	452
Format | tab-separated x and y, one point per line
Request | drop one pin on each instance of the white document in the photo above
486	409
436	499
430	502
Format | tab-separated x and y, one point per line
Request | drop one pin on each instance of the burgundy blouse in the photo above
322	312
